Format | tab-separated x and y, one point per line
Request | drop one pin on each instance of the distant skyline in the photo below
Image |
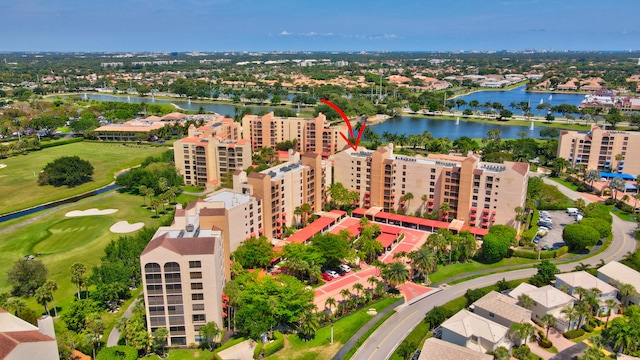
281	25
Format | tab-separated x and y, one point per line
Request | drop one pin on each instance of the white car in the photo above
333	273
345	267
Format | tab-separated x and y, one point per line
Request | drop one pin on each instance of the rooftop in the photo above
547	296
504	306
277	172
621	273
436	349
586	281
466	324
230	198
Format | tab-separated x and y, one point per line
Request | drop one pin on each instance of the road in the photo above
382	343
114	335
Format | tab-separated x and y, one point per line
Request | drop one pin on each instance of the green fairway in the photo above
18	180
62	241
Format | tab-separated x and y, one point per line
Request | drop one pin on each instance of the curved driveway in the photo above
381	344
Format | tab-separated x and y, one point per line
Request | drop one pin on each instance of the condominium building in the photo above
598	148
313	134
480	194
303	179
20	340
211	150
183	279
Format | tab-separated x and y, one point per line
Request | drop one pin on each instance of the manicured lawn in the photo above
63	241
19	180
187	354
564	182
319	347
447	271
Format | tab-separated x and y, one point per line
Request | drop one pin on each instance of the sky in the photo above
303	25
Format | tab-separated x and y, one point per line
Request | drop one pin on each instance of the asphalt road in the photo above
382	343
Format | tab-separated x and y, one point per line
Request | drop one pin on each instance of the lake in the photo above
519	94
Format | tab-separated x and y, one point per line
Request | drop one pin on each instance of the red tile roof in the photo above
183	246
9	340
386	239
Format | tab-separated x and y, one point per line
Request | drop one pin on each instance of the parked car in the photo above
326	277
333	273
340	271
542	228
542	233
345	267
536	239
544	213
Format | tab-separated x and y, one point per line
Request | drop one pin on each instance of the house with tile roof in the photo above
436	349
475	332
615	274
582	279
501	308
20	340
547	300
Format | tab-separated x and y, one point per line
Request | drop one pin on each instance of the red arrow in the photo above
346	119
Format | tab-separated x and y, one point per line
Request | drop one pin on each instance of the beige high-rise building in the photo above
183	279
478	193
597	149
303	179
211	150
313	134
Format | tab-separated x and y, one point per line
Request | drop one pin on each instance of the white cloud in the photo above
285	33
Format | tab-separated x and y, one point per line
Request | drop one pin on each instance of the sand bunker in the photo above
123	227
2	166
90	212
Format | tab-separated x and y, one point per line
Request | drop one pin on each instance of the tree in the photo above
75	316
547	271
78	276
424	260
522	331
330	303
407	197
626	291
616	184
579	236
26	276
396	273
591	176
559	164
67	170
358	289
525	301
210	332
444	209
95	328
51	287
613	117
548	321
87	122
142	190
308	324
332	247
495	246
601	226
612	305
501	353
505	114
43	297
155	205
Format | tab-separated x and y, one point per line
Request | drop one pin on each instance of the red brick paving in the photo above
412	291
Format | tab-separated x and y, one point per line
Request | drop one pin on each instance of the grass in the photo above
319	347
587	336
447	271
564	183
63	241
18	180
186	354
366	335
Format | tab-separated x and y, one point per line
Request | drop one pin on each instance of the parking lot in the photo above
553	239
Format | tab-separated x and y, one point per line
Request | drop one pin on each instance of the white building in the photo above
615	273
547	300
475	332
20	340
584	280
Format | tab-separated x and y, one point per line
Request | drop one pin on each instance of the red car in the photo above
327	277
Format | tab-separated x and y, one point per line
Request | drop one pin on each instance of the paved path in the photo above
114	336
383	341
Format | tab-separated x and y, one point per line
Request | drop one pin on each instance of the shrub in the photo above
545	343
599	211
637	234
44	145
586	327
257	350
572	334
118	353
579	236
67	170
543	254
274	346
495	246
599	225
595	322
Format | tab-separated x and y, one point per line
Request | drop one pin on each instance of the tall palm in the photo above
621	334
583	311
52	287
424	260
444	209
358	289
42	297
306	210
626	290
78	276
571	314
345	293
160	336
330	303
407	198
372	280
308	324
424	199
592	176
612	305
581	292
525	301
616	184
298	212
122	326
396	273
142	190
548	321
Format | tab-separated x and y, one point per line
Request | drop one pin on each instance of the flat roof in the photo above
230	198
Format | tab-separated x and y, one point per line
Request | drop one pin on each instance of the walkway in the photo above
114	335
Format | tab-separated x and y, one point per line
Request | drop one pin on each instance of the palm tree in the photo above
635	204
525	301
330	303
155	204
306	209
51	287
548	321
522	331
581	292
298	212
616	184
150	193
345	293
619	158
626	290
424	260
583	311
160	336
142	190
612	305
163	184
308	324
407	197
122	326
591	176
580	204
42	296
396	273
444	210
622	335
358	288
424	199
78	271
559	164
372	280
571	314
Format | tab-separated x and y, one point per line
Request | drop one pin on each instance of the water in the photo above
446	128
50	205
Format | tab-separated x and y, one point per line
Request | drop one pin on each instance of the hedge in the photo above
118	353
572	334
545	343
274	346
586	327
543	254
533	230
44	145
257	350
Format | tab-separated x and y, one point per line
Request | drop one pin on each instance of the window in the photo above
433	170
172	278
196	297
154	278
198	307
172	267
152	268
196	286
199	318
196	275
196	264
178	340
174	288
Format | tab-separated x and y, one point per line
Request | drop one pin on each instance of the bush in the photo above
495	246
586	327
44	145
595	322
545	343
543	254
579	236
637	234
599	225
67	170
274	346
118	353
572	334
598	211
257	350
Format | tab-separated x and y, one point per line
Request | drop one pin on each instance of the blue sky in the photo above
346	25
